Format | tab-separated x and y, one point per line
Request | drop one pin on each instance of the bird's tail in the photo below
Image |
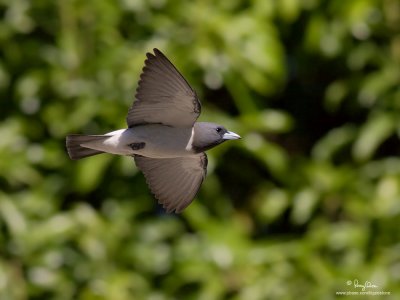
74	142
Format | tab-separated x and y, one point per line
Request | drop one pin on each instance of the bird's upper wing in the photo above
174	181
163	96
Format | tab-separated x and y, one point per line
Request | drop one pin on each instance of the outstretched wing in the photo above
163	96
174	181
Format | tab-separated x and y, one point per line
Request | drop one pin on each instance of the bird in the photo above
163	135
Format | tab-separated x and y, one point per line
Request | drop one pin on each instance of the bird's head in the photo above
208	135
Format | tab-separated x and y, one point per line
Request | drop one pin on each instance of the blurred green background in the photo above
308	199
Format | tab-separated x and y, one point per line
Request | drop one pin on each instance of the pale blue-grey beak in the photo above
229	135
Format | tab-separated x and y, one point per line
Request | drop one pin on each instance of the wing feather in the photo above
163	95
174	181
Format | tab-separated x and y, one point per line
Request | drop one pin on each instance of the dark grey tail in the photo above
74	148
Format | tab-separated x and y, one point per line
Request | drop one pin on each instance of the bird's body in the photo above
162	135
153	140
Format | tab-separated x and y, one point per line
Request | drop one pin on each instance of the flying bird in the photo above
167	143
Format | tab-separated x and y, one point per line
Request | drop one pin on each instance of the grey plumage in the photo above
163	136
174	181
163	96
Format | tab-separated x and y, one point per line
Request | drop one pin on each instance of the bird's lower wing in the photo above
174	181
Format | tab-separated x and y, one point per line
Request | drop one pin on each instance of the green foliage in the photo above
308	199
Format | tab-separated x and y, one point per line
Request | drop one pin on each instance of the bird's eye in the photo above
219	129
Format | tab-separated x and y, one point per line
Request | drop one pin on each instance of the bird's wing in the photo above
163	96
174	181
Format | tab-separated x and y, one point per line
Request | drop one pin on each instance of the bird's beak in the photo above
229	135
